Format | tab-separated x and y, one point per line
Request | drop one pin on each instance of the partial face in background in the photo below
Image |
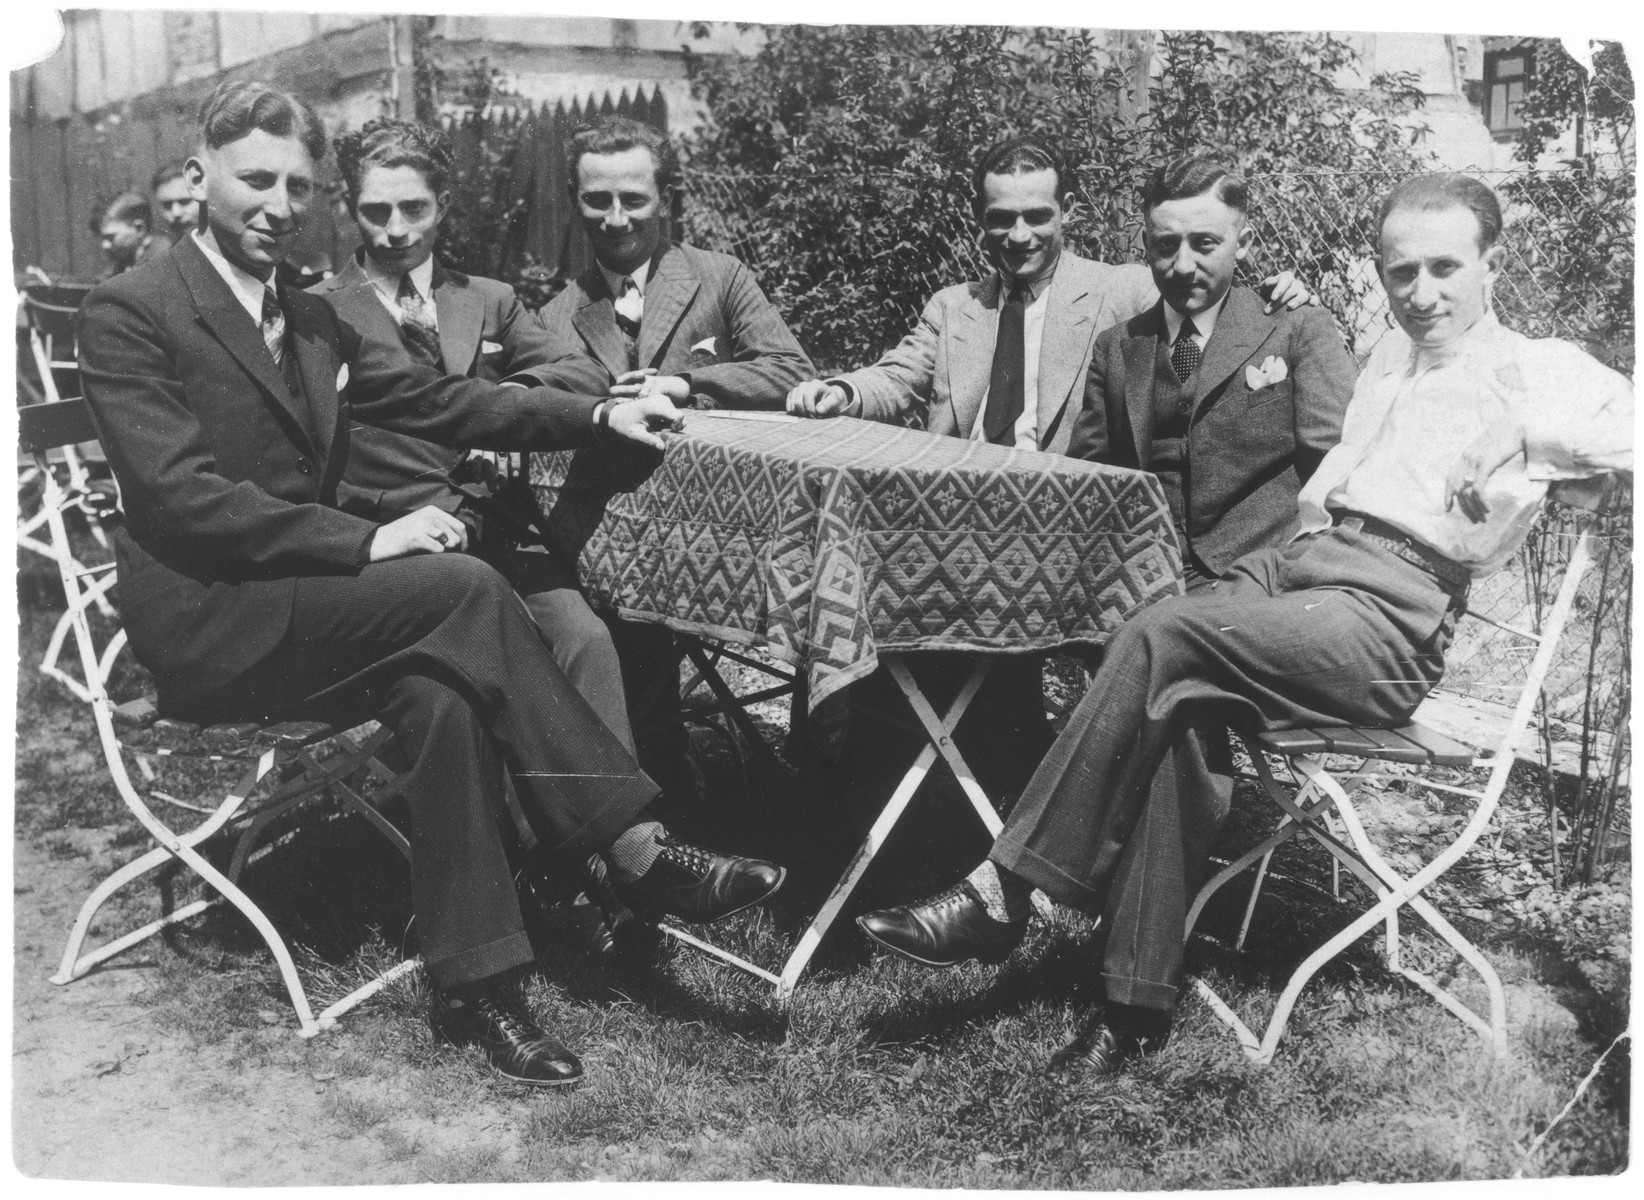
256	193
179	210
1022	223
1437	278
121	240
1194	246
622	208
399	216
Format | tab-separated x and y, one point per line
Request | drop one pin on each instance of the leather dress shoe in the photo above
944	930
1103	1047
513	1042
698	885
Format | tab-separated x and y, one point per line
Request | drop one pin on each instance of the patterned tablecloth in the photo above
831	541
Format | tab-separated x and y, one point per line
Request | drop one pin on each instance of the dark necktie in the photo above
1185	354
272	326
1005	385
417	328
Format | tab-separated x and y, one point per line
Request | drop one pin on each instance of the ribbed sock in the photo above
635	849
1006	897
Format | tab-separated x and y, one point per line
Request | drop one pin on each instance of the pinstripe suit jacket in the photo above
705	318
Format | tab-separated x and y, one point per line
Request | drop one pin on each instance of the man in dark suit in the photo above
1454	432
225	402
1230	406
691	324
397	175
670	320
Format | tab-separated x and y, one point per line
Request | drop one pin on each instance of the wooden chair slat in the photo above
1292	741
1442	751
47	426
1395	747
224	736
1347	740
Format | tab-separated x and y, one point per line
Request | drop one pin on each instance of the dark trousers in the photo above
441	650
1329	630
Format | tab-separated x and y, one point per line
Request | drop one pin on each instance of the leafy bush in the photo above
851	147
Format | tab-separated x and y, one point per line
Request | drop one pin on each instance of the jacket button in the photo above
302	465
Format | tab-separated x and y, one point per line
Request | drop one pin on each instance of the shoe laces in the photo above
693	858
509	1020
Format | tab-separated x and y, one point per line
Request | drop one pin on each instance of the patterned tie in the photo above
1005	385
630	307
1185	354
273	326
417	328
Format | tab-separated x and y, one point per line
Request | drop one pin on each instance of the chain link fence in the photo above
1321	225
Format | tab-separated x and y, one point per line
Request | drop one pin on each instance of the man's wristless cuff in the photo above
602	423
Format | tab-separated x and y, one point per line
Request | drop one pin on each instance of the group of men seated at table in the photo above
307	536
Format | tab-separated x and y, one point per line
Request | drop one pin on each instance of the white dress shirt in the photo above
1204	323
1026	428
1414	410
247	288
613	279
387	286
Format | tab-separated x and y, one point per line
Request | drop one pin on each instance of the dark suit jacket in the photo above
228	482
485	333
704	318
1249	449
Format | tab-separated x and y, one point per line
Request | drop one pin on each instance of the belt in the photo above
1451	575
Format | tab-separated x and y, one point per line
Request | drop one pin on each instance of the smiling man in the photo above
664	318
1456	429
225	401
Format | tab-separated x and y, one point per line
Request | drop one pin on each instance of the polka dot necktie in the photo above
1185	354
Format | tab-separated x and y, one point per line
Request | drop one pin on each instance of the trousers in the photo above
441	650
1332	629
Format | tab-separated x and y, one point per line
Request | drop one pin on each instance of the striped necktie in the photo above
273	326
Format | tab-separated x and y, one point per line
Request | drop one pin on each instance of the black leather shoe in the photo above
516	1046
1103	1048
945	930
698	885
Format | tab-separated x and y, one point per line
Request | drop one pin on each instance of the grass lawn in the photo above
881	1072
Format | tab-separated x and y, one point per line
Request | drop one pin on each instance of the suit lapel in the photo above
218	309
668	293
1240	330
1070	308
461	315
315	364
970	355
1141	361
595	321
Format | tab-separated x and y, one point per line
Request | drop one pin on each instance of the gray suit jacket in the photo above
1249	449
942	368
705	319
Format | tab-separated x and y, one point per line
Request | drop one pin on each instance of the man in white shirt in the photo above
1455	431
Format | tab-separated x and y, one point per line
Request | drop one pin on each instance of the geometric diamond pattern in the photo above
829	541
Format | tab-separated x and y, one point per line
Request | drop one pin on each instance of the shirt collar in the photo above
1204	322
247	288
613	279
388	282
1482	333
1034	289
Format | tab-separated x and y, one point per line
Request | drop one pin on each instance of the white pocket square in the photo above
706	345
490	347
1273	370
342	377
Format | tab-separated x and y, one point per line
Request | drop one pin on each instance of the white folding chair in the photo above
322	760
1317	803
